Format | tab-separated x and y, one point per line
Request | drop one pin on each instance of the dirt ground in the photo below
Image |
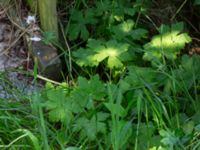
14	59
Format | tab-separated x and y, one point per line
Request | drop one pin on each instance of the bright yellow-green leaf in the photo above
99	51
166	45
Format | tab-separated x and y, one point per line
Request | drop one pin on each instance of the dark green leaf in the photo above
138	33
91	127
197	2
139	76
79	22
87	92
169	138
58	103
116	109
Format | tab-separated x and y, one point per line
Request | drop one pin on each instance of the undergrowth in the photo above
128	89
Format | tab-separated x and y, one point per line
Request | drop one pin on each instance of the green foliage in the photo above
166	45
63	104
49	37
58	104
186	75
116	10
107	11
103	7
141	103
197	2
125	30
169	138
32	137
116	109
145	131
117	99
91	127
80	20
139	77
98	51
87	93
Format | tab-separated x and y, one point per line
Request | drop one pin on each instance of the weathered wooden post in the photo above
48	16
46	55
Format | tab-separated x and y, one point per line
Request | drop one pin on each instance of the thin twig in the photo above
48	80
69	51
178	10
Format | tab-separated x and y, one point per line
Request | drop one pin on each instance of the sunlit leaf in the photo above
122	30
84	57
125	29
98	51
166	45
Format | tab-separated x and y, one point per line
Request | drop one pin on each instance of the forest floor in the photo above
14	61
